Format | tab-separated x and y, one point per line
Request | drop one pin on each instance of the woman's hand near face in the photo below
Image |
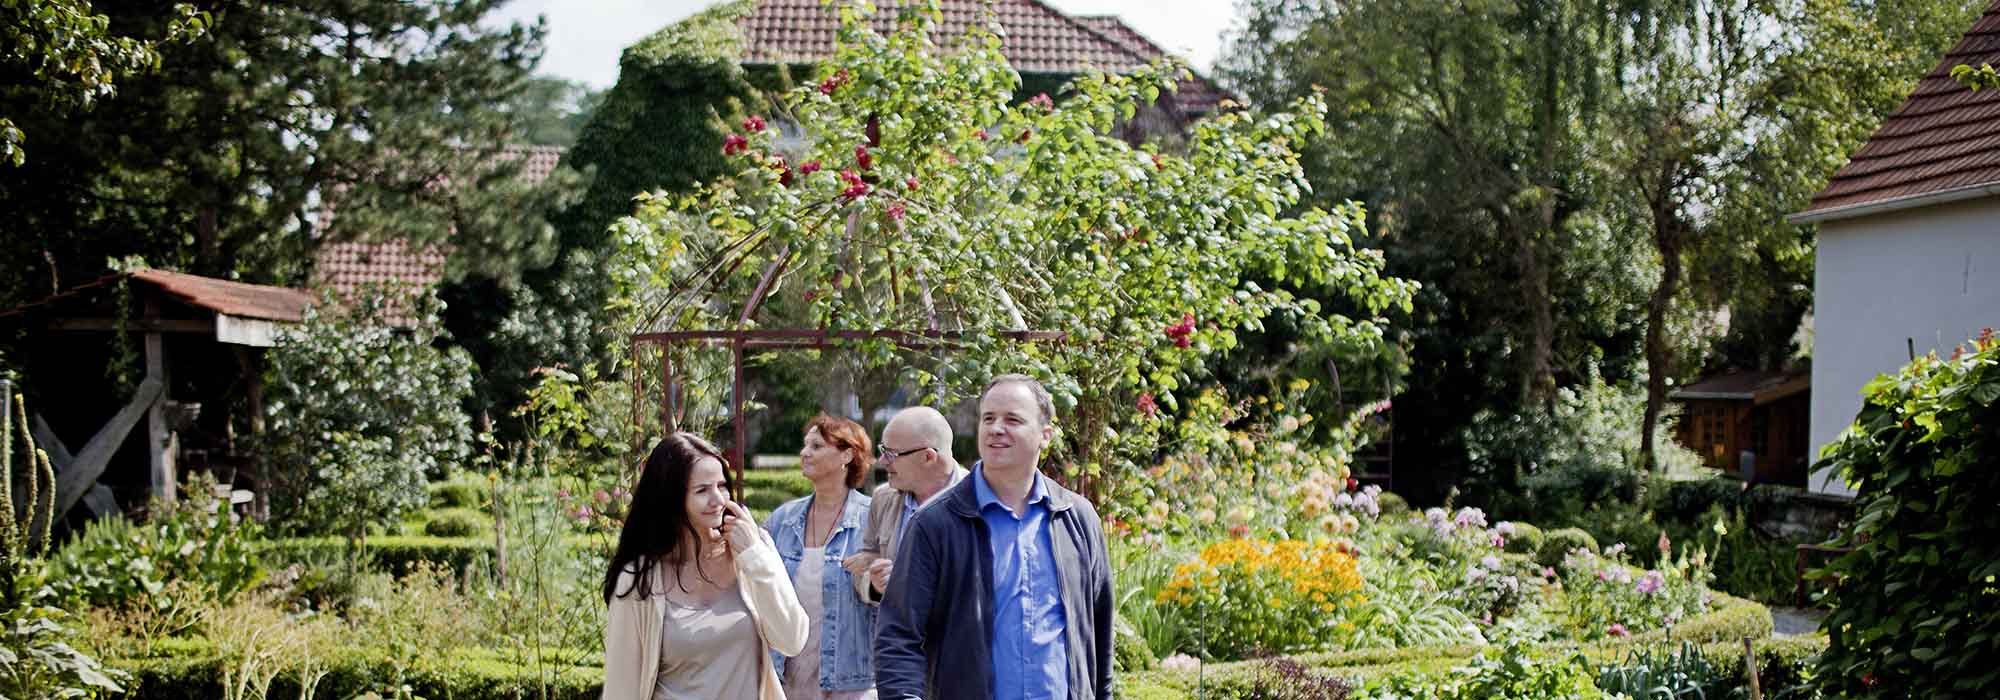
739	531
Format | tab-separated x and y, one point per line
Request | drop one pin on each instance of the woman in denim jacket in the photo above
814	534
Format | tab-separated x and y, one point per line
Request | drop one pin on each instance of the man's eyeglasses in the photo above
888	454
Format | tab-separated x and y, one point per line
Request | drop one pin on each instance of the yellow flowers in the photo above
1309	571
1273	595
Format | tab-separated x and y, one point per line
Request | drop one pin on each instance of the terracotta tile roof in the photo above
240	299
1944	137
1036	38
346	266
1197	94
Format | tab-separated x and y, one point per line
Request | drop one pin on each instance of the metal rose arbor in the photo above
907	209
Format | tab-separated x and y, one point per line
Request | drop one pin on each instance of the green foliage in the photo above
63	59
223	176
458	522
188	671
118	564
358	413
459	493
1976	79
1527	539
1514	672
1129	650
37	661
1557	544
396	555
766	489
36	656
984	214
1913	612
1668	675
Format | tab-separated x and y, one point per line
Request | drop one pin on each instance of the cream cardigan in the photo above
633	628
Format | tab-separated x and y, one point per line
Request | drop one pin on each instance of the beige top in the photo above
710	653
802	672
635	637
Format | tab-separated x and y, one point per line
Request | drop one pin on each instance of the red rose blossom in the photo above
809	167
753	123
1147	406
862	159
734	144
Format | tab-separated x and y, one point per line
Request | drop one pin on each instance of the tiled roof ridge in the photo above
1093	31
1942	140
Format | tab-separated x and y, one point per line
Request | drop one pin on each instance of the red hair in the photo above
847	435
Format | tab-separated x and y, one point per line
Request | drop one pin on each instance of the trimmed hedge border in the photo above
1720	631
190	669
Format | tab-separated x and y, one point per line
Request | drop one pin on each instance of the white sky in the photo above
586	36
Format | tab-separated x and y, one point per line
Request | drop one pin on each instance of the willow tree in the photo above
909	189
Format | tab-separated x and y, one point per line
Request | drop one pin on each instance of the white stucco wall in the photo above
1930	274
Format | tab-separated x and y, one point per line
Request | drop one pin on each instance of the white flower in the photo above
1180	662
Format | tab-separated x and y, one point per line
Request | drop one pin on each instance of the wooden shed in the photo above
191	353
1753	424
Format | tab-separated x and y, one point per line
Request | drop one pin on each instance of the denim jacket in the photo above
846	643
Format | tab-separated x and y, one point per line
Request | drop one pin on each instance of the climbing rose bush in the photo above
929	196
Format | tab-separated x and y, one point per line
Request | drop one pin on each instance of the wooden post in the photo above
159	443
1750	665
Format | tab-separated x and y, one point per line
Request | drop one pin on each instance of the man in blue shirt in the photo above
1003	590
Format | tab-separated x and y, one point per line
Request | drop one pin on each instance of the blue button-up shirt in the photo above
1030	659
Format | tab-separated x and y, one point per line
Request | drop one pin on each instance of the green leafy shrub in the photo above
459	494
359	413
1527	539
398	555
1914	612
189	670
117	563
1129	651
458	522
1557	544
37	661
1392	504
1514	672
1605	596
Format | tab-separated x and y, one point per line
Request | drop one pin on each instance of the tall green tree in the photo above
1465	127
224	162
1841	68
1677	123
61	57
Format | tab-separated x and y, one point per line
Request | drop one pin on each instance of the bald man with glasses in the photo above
915	450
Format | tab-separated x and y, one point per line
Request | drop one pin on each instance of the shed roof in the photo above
1942	144
239	299
1758	387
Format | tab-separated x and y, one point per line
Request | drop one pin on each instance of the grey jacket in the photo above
935	627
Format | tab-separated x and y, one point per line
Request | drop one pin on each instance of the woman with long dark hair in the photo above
696	592
814	533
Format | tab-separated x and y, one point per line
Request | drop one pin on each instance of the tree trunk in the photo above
1667	238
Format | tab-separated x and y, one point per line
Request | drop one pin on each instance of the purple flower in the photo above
583	513
1617	630
1652	583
